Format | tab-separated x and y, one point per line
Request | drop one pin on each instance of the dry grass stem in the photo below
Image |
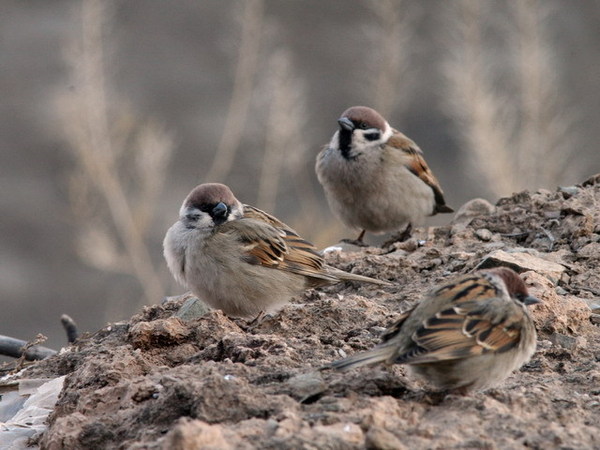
285	148
392	57
113	230
241	96
547	141
515	133
475	104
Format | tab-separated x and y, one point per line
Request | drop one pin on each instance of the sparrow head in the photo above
515	286
361	128
209	205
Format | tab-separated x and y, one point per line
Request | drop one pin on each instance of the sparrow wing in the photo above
460	291
467	317
395	329
479	319
250	212
415	162
271	243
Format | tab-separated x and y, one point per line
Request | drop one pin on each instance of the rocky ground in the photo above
161	381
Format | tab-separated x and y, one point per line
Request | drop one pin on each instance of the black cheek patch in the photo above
218	220
345	139
372	136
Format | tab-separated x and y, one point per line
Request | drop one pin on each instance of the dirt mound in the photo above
161	382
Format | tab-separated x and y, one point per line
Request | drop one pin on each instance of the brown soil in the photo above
212	382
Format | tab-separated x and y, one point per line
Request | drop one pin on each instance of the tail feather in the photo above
368	358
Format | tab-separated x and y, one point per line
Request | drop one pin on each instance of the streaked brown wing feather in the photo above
466	327
269	242
394	329
418	166
250	212
466	289
462	331
261	244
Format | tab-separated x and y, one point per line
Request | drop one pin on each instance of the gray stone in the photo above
471	209
381	439
523	262
484	234
192	308
563	341
569	191
305	385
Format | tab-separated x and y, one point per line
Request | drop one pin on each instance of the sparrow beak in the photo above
531	300
346	124
220	212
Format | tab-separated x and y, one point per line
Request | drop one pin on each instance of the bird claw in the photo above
355	242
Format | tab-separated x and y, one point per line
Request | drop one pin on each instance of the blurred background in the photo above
112	111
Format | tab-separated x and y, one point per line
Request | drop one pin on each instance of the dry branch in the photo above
110	153
242	90
516	131
14	348
70	328
392	68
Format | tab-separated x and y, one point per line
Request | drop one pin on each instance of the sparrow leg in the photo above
249	326
358	241
361	236
258	319
399	237
406	233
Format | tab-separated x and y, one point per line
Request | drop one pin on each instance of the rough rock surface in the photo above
163	382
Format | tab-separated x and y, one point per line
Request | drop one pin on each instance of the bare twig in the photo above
550	237
391	43
29	351
113	237
475	104
547	146
70	328
516	130
285	149
242	90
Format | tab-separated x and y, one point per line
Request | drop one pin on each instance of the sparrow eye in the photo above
363	126
192	216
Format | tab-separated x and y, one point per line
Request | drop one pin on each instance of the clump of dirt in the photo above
157	381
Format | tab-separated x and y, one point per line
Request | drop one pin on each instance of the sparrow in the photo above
240	259
375	178
466	335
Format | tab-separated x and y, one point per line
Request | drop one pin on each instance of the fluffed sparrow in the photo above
240	259
375	178
468	334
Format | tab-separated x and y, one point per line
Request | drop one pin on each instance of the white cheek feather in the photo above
335	141
205	222
359	140
175	244
387	133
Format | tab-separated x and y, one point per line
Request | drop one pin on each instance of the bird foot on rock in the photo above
250	325
354	242
402	236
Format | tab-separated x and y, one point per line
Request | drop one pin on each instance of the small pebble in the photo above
563	341
560	291
484	234
568	191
